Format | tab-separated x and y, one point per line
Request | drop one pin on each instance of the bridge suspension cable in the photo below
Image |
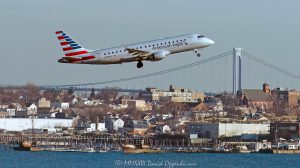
219	56
276	68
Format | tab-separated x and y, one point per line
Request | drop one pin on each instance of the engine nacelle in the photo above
158	55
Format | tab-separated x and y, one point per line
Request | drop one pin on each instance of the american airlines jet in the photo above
154	50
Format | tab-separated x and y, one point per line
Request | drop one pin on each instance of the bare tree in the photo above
108	95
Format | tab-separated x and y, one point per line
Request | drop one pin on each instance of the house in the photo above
74	100
140	105
4	106
101	127
113	124
91	127
118	124
65	105
17	106
44	103
31	109
11	112
162	129
109	124
62	105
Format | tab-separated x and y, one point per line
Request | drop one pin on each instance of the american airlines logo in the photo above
177	44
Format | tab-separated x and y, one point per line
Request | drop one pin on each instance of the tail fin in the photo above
70	47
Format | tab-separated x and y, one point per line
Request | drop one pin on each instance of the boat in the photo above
36	149
268	150
241	149
87	150
128	148
24	146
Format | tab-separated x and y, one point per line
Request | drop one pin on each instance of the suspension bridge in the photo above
229	71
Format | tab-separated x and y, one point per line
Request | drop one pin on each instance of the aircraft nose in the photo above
209	42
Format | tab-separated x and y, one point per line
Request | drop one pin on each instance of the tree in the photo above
92	95
108	95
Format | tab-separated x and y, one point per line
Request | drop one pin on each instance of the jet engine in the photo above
158	55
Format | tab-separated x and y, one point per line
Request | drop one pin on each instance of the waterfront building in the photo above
216	130
20	124
286	130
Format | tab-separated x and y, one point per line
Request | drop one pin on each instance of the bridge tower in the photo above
237	70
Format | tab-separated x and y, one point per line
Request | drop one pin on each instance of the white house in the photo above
88	103
166	129
32	109
65	105
119	123
74	100
91	128
101	127
11	112
18	106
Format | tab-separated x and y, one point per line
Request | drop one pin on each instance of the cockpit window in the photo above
200	36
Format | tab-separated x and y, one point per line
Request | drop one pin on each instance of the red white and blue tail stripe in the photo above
72	50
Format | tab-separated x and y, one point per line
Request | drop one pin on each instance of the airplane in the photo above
154	50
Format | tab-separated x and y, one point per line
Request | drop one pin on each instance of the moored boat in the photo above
24	146
143	149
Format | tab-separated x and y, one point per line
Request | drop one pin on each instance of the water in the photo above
18	159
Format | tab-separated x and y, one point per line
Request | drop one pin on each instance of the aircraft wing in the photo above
138	54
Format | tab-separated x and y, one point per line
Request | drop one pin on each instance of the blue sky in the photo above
29	49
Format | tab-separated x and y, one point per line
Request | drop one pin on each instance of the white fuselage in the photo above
161	47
